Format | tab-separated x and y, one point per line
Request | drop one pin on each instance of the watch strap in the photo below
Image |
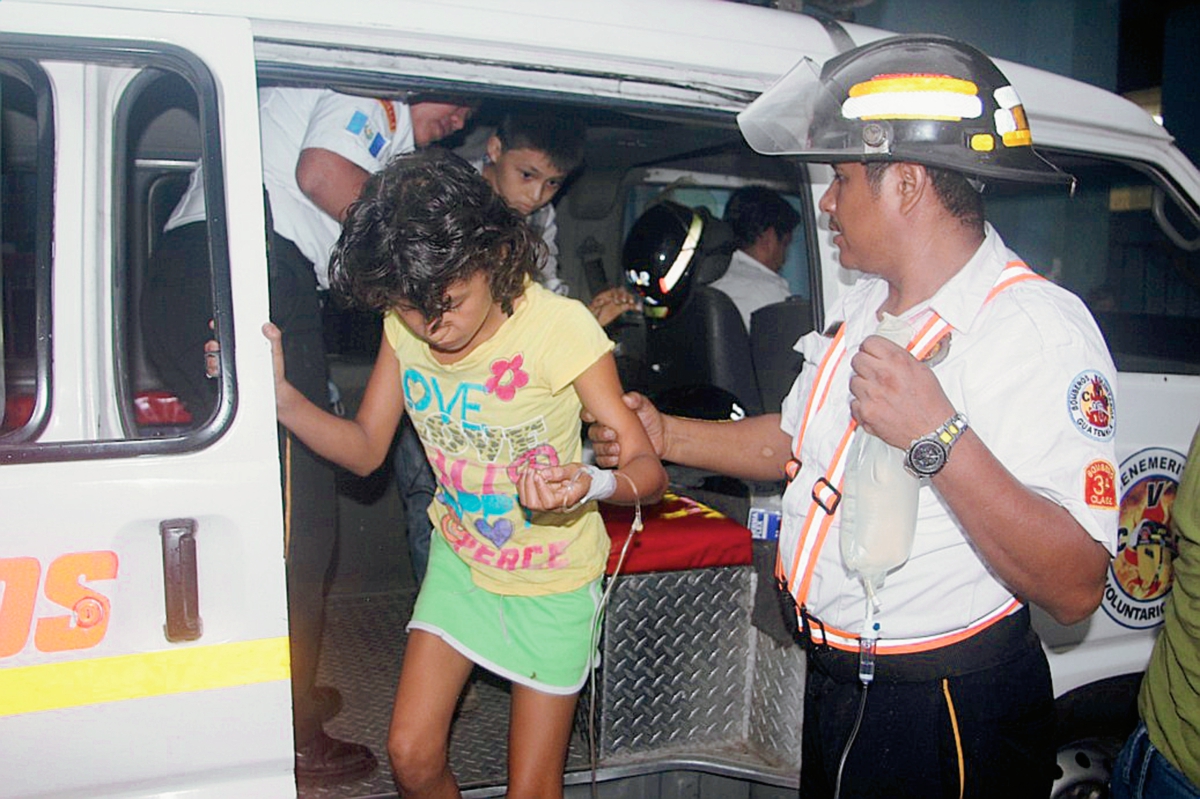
952	430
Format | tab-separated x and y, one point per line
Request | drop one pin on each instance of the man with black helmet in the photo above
1002	403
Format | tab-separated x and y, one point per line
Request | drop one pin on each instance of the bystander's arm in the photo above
329	180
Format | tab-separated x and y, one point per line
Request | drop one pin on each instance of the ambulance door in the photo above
1128	243
143	620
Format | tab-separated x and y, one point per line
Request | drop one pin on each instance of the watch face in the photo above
927	457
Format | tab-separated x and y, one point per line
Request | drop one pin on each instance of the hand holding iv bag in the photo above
879	497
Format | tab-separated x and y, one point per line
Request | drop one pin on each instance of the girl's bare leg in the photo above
431	678
539	732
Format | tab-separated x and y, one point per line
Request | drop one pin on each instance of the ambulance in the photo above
143	617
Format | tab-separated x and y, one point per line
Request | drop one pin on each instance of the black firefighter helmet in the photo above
662	253
921	98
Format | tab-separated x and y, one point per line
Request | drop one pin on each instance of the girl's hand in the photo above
275	336
553	488
287	398
212	356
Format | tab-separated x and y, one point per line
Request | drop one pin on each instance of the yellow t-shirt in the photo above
508	404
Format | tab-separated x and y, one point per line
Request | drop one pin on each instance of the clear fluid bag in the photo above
879	496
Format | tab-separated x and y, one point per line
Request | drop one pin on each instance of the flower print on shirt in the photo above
507	377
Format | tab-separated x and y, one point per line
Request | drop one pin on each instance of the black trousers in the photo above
176	308
310	490
999	719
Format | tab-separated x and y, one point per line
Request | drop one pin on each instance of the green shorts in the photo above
544	642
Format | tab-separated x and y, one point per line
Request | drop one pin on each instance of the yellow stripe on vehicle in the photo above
54	686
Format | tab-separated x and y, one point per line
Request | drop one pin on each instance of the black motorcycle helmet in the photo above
661	253
921	98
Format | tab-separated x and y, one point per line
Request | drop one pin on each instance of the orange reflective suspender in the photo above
826	492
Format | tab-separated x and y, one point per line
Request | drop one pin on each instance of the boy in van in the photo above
527	160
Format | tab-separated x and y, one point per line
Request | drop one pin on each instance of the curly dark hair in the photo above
425	221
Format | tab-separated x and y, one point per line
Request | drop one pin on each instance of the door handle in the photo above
180	583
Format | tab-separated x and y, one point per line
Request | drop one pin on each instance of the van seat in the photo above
18	410
678	534
774	330
156	408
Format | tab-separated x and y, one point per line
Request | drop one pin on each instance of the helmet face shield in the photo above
925	99
779	121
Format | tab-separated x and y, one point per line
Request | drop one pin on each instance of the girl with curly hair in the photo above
494	371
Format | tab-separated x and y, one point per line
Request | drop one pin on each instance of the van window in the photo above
26	183
696	192
166	292
1123	244
82	382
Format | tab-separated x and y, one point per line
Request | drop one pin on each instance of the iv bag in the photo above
879	496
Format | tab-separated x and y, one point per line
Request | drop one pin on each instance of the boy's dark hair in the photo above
753	210
425	221
560	136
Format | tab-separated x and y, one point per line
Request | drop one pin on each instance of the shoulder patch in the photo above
357	123
361	127
1140	576
389	111
1100	485
1091	405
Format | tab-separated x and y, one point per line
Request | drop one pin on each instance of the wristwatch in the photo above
927	455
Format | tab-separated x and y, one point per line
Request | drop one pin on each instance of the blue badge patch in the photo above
1091	405
357	123
377	144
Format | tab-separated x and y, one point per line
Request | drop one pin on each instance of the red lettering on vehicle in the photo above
82	628
20	577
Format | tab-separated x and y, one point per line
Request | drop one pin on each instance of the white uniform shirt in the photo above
365	131
1018	367
751	285
544	223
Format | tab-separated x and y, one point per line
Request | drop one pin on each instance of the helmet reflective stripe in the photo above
668	281
664	250
1011	122
938	97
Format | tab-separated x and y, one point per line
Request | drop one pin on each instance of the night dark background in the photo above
1148	50
1143	30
